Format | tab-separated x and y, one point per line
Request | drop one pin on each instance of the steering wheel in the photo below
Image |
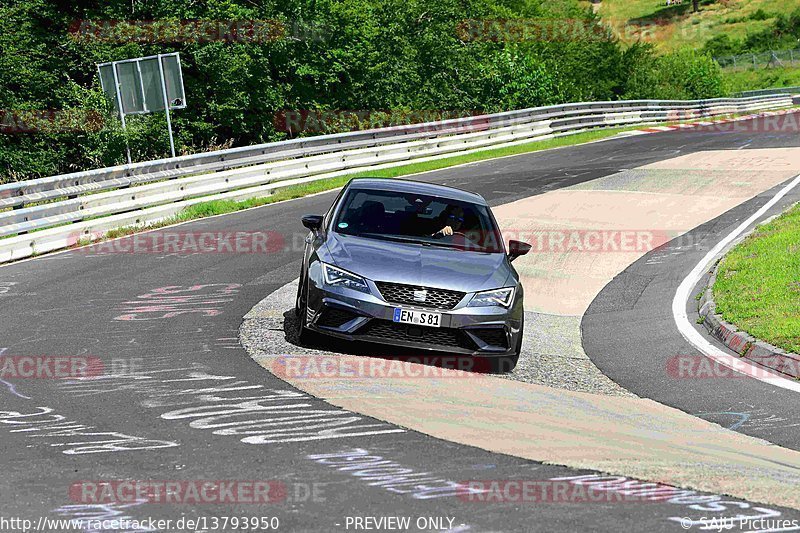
440	235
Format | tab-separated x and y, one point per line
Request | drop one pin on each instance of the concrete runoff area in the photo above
620	435
651	204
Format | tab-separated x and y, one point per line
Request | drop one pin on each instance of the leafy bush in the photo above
760	14
722	45
782	34
682	75
336	55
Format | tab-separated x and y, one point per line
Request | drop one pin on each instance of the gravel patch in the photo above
552	353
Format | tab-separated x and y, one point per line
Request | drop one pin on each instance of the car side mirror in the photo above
313	222
517	248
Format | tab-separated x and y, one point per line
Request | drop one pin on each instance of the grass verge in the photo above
758	283
747	79
670	27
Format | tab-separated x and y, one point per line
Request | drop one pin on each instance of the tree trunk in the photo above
695	6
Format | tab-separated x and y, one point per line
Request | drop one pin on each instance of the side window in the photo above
393	203
329	213
436	209
357	201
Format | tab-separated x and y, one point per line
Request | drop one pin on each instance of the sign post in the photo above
144	85
118	100
166	106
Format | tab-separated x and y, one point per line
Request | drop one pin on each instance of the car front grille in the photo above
404	294
385	329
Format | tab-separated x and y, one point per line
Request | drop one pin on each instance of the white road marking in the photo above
13	390
227	406
684	291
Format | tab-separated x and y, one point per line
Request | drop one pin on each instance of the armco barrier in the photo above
21	193
146	192
779	90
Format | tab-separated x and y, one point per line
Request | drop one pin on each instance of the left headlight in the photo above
341	278
495	297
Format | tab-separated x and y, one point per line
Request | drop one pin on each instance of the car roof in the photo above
417	187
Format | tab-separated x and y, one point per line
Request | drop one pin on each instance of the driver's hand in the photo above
446	231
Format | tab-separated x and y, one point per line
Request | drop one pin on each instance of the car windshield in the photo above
414	218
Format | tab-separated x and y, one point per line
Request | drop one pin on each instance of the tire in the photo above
501	365
297	302
303	334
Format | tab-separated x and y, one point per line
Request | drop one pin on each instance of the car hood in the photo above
415	264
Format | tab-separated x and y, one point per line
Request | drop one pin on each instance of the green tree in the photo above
334	55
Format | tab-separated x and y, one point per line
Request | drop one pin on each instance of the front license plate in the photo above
418	318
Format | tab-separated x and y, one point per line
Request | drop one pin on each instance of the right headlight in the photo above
341	278
493	298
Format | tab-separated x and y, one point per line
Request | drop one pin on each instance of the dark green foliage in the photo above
336	55
722	45
782	34
682	75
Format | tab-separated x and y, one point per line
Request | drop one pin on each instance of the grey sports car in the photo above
415	265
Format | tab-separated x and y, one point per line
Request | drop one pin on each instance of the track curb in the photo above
741	342
712	122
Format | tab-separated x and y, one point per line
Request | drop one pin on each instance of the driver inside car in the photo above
452	218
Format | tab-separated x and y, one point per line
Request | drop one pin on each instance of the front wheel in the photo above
298	299
303	334
501	365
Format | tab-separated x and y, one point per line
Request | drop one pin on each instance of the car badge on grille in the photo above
420	296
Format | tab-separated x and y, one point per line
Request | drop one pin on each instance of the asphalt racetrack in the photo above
164	327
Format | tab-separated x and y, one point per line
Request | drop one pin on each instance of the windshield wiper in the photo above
445	245
409	240
395	238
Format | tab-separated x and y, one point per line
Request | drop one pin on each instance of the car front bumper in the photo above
355	316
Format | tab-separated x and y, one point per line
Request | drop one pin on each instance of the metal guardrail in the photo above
21	193
774	90
259	170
